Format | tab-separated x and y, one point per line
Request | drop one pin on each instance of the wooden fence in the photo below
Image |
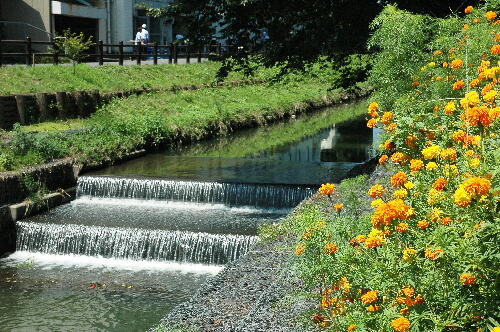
114	52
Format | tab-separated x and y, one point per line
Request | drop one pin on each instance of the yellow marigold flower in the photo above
431	64
299	249
401	324
383	158
361	238
457	63
330	248
468	9
445	64
372	109
437	52
467	279
495	49
474	163
469	153
408	291
409	185
473	140
370	297
477	186
490	96
402	227
432	253
458	85
416	165
430	166
327	189
352	327
450	107
476	20
390	127
374	239
399	179
400	193
471	99
431	152
372	123
387	117
474	83
423	224
398	157
409	254
376	202
376	191
338	206
373	308
490	15
436	214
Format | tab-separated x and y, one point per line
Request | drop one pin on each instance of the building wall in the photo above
36	13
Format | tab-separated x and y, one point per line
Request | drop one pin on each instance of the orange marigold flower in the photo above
386	213
373	308
440	183
474	83
478	115
459	136
423	224
327	189
445	64
468	9
376	191
399	179
372	109
448	154
402	227
457	63
495	49
390	127
338	206
387	117
458	85
415	84
416	165
490	15
467	279
370	297
374	239
388	145
404	311
401	324
432	253
477	186
372	123
383	158
497	37
446	221
398	157
299	249
408	291
438	52
352	327
410	141
330	248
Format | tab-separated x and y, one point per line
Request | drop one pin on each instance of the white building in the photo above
108	20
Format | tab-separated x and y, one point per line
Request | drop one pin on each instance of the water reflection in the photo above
309	150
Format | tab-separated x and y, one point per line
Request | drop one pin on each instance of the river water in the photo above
143	235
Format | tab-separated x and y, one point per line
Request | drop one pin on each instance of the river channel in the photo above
143	235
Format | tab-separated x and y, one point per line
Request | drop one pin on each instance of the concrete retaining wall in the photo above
7	232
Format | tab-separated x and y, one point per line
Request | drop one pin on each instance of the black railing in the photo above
112	52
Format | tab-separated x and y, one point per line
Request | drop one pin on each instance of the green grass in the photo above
106	78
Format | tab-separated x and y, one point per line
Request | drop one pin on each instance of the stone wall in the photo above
59	174
7	232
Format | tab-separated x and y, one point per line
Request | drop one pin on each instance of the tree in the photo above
74	46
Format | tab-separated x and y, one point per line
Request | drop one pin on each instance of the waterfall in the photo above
275	196
132	243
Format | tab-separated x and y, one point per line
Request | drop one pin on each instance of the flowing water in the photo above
143	235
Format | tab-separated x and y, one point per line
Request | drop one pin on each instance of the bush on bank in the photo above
426	257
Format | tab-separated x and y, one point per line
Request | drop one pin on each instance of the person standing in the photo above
138	40
144	39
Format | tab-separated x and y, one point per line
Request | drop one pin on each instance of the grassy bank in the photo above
105	78
160	118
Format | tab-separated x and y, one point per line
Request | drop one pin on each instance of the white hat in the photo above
144	26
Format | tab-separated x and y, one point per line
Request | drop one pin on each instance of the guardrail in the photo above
115	52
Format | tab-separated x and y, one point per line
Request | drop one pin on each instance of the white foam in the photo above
48	260
173	205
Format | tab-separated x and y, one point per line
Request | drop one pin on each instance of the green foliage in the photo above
34	189
74	45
